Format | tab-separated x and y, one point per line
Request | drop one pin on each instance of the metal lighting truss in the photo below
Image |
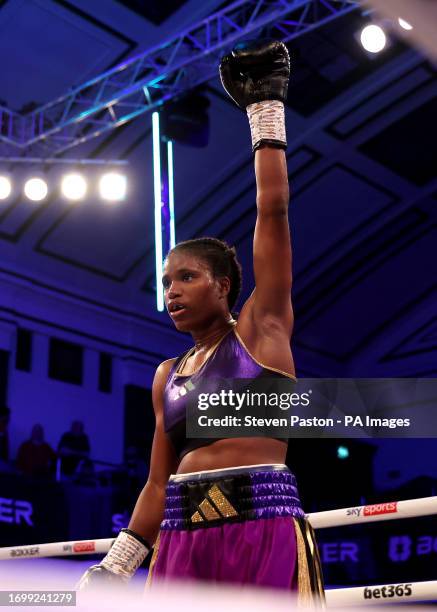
145	82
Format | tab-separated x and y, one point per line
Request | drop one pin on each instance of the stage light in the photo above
373	38
171	193
5	187
404	24
112	186
74	186
35	189
342	452
158	205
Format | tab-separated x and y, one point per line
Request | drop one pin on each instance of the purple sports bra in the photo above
229	359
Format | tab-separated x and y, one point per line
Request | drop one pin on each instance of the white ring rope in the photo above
387	511
378	594
374	594
57	549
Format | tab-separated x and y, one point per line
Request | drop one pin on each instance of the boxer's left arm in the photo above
272	244
255	75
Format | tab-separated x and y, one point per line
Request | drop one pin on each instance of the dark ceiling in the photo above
362	165
156	12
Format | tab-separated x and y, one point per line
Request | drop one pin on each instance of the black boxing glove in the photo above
256	71
255	75
122	561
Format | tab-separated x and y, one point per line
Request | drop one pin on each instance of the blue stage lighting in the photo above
158	204
171	193
342	452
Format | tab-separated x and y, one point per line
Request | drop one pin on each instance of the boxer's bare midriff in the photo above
233	452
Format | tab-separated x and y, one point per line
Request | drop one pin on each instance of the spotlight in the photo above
35	189
373	38
74	186
404	24
112	186
5	187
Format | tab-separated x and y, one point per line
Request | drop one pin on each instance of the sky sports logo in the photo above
387	508
84	547
373	509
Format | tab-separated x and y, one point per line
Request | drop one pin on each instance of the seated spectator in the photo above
35	456
73	447
4	436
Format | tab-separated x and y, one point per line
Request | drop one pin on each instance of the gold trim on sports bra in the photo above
190	352
259	362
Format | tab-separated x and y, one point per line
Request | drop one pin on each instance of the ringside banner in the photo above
312	408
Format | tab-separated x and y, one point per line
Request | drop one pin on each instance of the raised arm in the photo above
271	245
255	75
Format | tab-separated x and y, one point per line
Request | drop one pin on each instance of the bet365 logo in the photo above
387	591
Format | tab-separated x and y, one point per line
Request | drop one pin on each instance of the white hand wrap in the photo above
125	556
267	123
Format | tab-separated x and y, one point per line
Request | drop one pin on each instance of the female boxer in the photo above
227	510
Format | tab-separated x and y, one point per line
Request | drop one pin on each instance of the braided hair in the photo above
221	258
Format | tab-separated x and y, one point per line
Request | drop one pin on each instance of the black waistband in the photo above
208	499
225	472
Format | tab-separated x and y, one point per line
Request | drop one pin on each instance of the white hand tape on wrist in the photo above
267	122
125	556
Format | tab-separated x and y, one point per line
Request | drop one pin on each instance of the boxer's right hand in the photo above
123	559
97	576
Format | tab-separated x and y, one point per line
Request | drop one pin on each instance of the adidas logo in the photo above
215	506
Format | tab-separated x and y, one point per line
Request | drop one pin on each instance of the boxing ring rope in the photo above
410	508
373	594
377	594
57	549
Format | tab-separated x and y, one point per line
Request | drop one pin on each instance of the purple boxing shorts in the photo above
241	526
